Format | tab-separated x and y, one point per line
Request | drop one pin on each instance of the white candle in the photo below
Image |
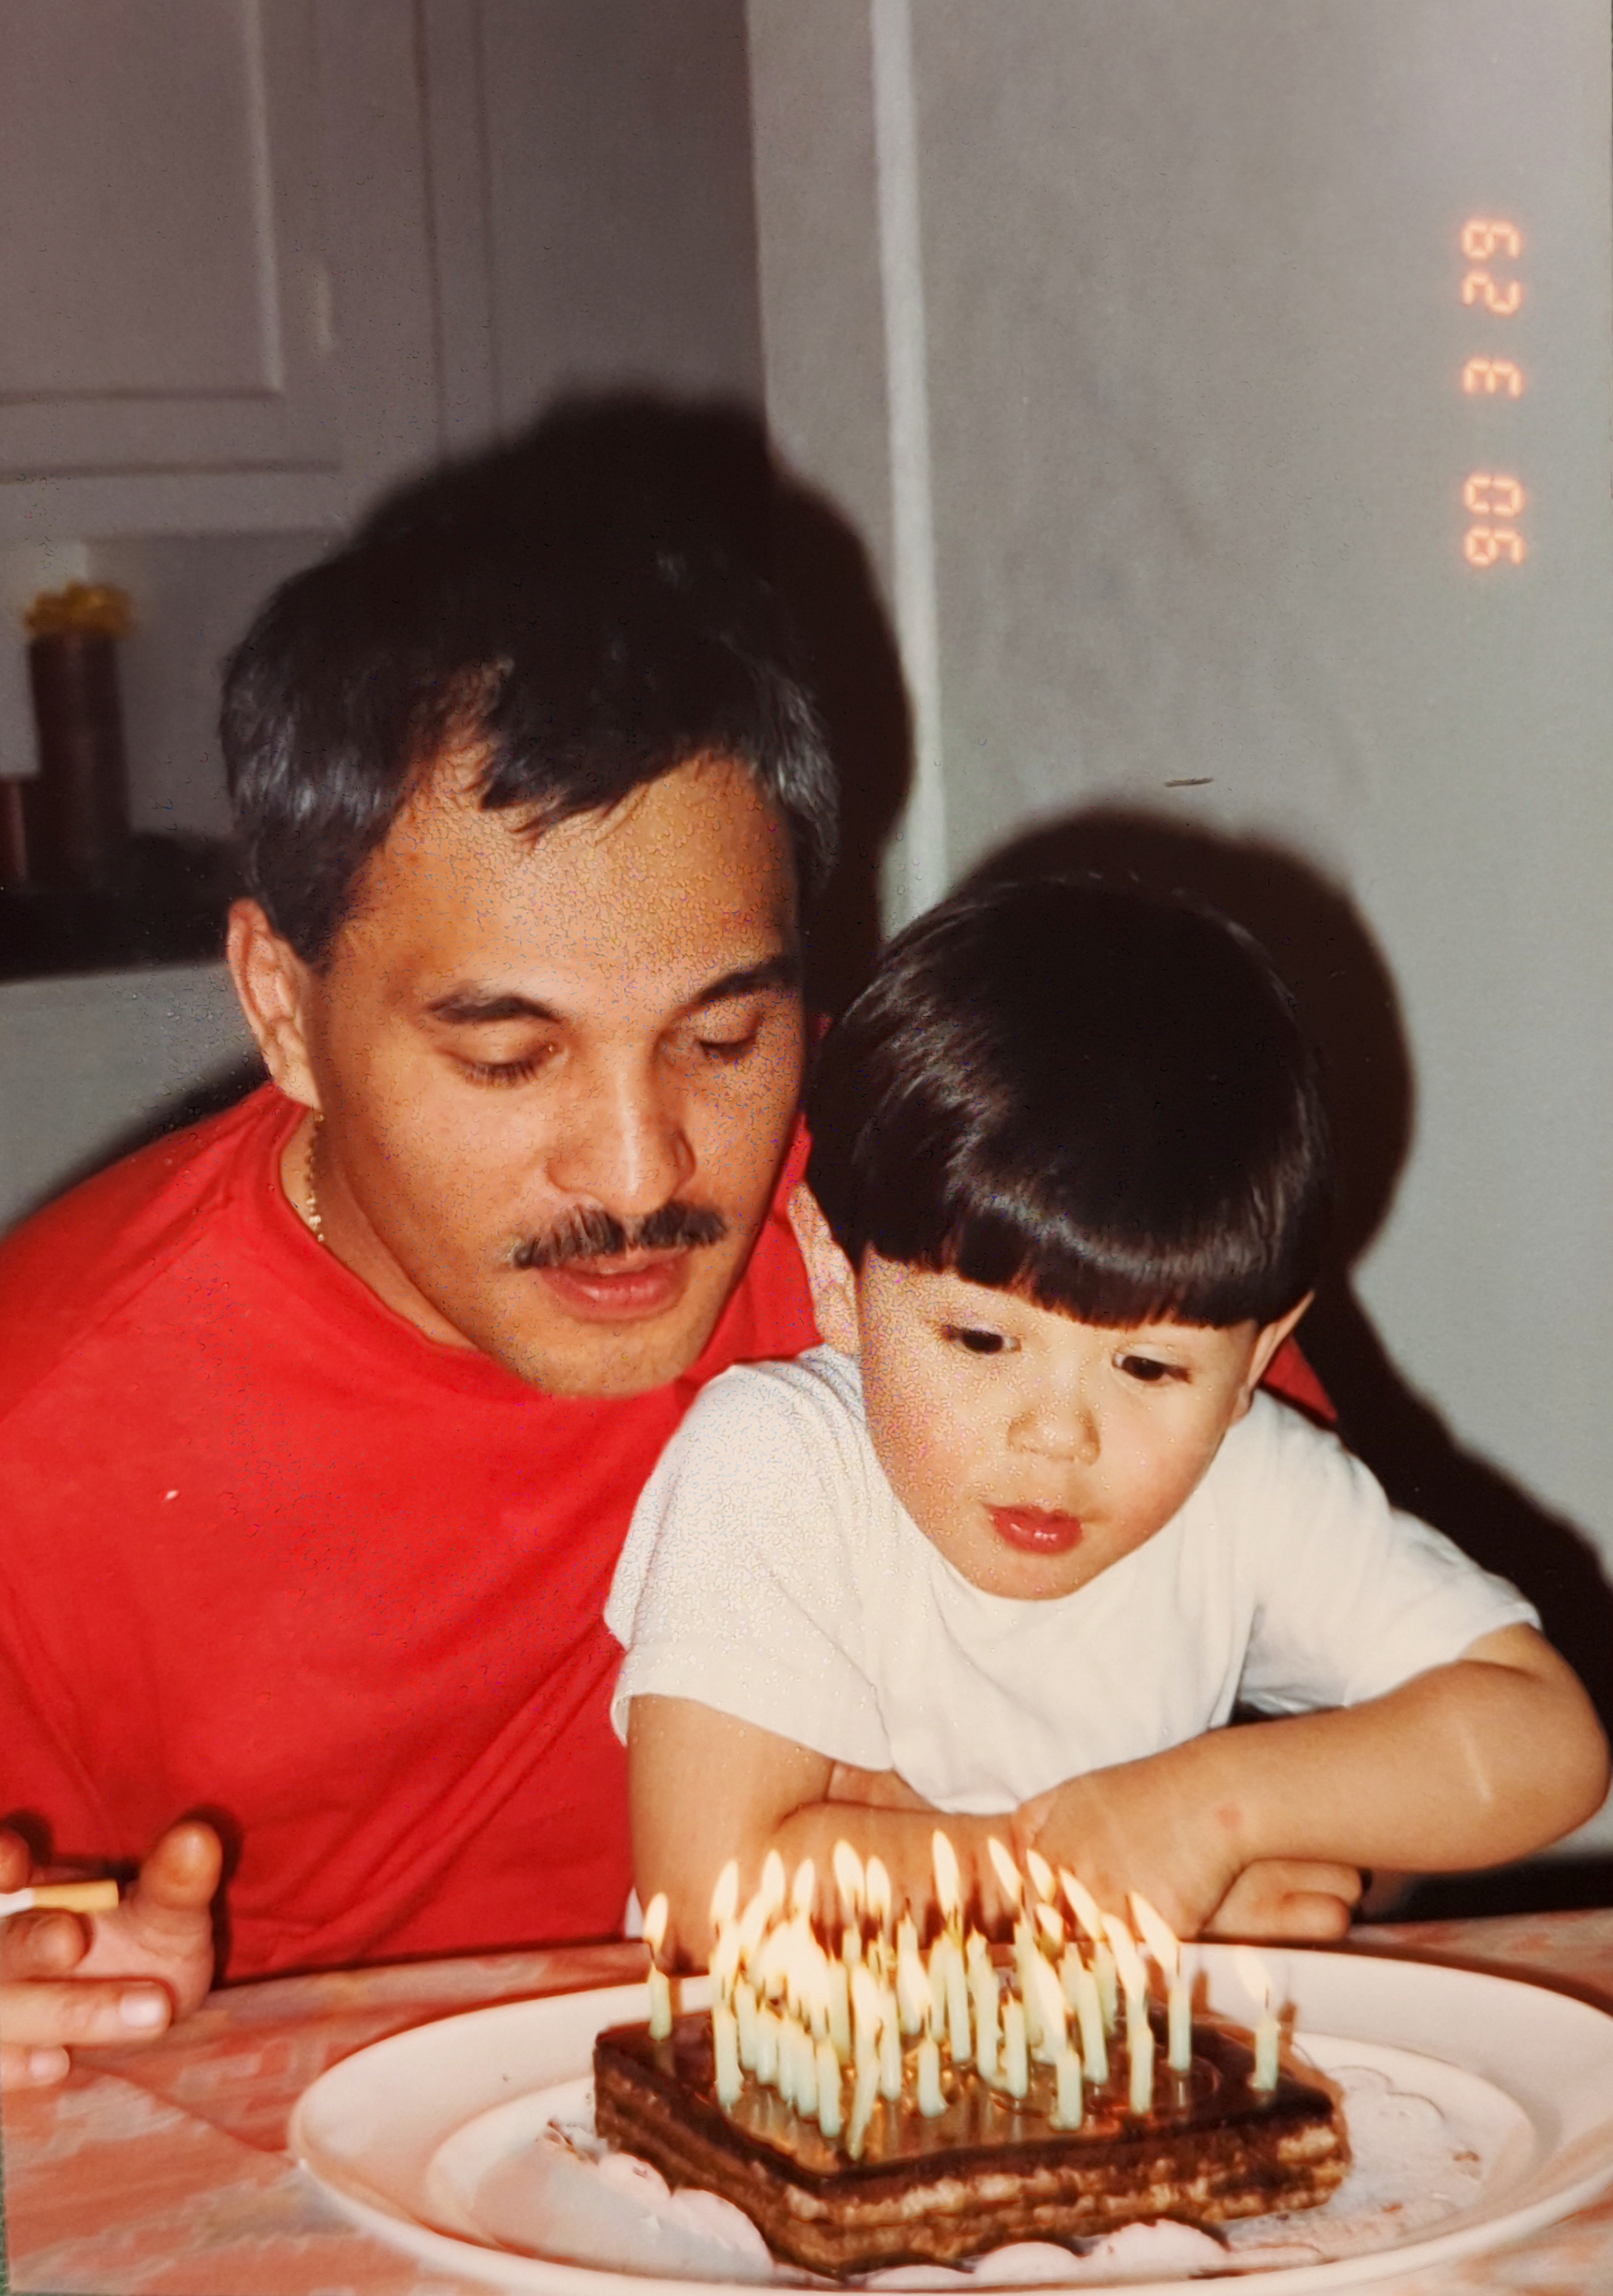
1181	2056
1027	1956
1256	1979
983	1999
878	1886
725	2042
865	2018
931	2102
744	2016
1089	2014
1016	2052
838	1987
1070	2105
829	2089
1162	1943
913	1986
890	2046
660	1989
1109	1993
865	2097
947	1977
766	2066
1140	2047
1053	2020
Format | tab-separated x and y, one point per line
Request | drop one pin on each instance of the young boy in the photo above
1013	1543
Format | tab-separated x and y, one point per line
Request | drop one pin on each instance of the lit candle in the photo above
803	1889
878	1895
827	2070
949	1894
931	2102
890	2046
1081	1989
772	1891
660	1989
1256	1980
947	1977
1051	2017
913	1986
1050	1927
1008	1873
838	1981
1028	1960
766	2065
1084	1906
1140	2049
865	2018
725	2043
983	2000
1162	1943
1041	1876
1016	2052
1069	2105
864	2097
1104	1978
744	2017
848	1880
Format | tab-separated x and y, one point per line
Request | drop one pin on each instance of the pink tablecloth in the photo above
162	2169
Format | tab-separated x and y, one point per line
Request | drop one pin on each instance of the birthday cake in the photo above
866	2104
988	2169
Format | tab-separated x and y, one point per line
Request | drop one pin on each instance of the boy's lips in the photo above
619	1291
1037	1530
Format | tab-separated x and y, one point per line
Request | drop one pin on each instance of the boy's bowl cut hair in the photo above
1100	1100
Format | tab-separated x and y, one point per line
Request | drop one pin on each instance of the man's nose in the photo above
622	1142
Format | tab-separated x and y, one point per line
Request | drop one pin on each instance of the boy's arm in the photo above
706	1787
1468	1765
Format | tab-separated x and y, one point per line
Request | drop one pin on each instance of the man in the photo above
320	1424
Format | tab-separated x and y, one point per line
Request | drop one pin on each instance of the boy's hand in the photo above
874	1790
120	1977
1131	1828
1288	1897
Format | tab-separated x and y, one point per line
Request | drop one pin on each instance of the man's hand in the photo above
123	1976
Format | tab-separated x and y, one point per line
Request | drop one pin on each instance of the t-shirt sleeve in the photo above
1351	1597
738	1584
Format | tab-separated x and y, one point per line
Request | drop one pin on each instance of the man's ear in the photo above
1267	1342
829	1273
273	984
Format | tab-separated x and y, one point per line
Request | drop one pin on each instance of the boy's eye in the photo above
974	1339
1148	1371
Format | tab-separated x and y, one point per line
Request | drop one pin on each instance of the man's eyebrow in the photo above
483	1007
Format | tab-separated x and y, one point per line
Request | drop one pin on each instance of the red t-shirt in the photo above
269	1551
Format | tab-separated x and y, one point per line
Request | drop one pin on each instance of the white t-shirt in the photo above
772	1573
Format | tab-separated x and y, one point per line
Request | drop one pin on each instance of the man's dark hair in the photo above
581	665
1100	1100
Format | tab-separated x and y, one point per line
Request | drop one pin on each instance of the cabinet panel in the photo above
166	305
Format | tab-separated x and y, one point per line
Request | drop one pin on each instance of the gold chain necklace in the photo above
311	1212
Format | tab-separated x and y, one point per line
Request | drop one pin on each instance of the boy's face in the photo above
1031	1449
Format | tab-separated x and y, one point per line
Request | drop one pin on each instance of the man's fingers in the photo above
178	1881
32	2068
41	1944
80	2012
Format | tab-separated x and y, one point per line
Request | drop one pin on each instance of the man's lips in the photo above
1037	1530
619	1291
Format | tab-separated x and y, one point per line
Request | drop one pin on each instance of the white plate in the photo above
429	2138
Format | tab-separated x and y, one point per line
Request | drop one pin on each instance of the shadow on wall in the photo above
688	474
1347	996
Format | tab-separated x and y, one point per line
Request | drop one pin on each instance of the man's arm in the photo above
1468	1765
66	1982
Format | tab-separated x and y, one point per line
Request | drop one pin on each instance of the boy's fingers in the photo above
37	2067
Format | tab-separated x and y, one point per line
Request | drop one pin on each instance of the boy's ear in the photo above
831	1276
1267	1342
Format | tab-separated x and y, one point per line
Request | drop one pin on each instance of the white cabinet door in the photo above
164	293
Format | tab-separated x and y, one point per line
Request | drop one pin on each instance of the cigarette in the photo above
68	1896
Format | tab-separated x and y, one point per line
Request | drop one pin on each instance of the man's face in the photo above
558	1073
1033	1450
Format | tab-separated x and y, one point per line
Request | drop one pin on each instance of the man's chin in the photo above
595	1358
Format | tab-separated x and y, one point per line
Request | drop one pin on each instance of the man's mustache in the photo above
596	1234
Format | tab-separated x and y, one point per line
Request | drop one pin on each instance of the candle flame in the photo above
773	1882
1158	1935
1050	1998
726	1897
655	1924
878	1888
1253	1975
804	1887
1050	1922
948	1886
1082	1904
848	1879
1007	1871
1041	1876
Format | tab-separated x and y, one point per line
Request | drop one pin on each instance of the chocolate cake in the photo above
986	2169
